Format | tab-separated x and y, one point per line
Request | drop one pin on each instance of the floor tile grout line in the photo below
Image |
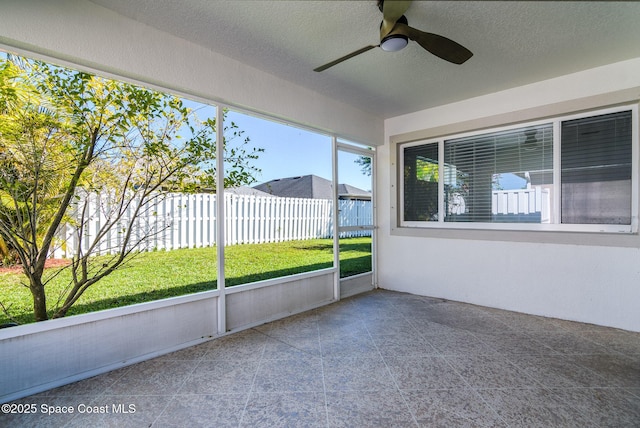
475	391
324	383
566	402
253	381
633	392
404	400
92	398
555	354
288	344
95	396
470	387
175	393
564	358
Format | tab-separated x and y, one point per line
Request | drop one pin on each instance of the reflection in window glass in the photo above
500	177
596	169
421	183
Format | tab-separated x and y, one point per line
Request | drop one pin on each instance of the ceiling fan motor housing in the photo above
395	42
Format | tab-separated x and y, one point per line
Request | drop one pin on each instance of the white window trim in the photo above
555	226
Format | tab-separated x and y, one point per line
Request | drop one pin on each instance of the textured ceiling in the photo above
514	43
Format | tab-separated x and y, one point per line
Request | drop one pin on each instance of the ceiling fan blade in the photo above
392	10
344	58
438	45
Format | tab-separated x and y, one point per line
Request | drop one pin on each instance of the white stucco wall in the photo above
582	277
82	33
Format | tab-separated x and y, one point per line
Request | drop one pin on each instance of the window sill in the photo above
524	227
479	232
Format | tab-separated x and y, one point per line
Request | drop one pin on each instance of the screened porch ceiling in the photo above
514	43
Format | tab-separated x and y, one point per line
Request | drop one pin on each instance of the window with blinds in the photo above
500	176
596	169
572	173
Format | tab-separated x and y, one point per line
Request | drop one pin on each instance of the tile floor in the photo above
381	359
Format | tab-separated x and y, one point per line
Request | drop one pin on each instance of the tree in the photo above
365	164
67	136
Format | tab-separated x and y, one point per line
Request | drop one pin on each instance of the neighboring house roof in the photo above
245	191
310	186
347	191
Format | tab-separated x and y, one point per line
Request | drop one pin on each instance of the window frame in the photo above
555	225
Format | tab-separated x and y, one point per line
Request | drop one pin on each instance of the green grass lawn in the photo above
161	274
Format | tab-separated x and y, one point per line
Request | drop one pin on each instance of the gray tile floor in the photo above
381	359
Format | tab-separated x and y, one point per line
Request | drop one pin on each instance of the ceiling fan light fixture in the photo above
395	34
394	42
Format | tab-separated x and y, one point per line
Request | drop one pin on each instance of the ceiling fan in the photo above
395	34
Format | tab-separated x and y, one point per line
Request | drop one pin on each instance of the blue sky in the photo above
290	151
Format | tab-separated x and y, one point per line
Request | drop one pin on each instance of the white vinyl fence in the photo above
522	202
174	220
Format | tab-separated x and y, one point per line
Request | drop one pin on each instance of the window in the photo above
500	177
570	173
596	169
421	182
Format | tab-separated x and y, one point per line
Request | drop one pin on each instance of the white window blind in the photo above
500	177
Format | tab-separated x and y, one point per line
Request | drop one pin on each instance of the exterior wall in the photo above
588	277
80	33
